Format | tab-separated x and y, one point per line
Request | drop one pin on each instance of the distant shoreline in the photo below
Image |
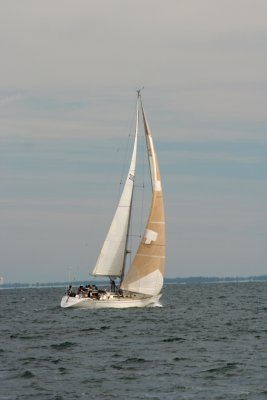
188	280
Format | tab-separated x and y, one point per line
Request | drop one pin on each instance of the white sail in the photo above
111	258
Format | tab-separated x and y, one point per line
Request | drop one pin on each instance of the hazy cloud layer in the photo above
69	70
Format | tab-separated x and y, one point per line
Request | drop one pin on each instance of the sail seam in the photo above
149	255
159	245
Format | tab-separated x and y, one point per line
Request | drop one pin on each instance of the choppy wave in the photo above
208	342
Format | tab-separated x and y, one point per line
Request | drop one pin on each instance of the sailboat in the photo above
141	285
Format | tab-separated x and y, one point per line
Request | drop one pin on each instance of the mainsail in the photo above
145	275
112	256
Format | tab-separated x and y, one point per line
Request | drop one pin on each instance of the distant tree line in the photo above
187	280
47	284
215	279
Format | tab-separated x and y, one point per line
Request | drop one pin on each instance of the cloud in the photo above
220	157
84	45
69	71
6	100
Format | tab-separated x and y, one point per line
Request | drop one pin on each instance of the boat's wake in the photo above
158	304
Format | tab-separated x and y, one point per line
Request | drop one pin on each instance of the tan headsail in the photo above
146	273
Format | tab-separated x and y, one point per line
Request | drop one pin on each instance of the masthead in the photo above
139	91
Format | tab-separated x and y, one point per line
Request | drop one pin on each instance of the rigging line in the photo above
139	186
135	235
124	167
130	243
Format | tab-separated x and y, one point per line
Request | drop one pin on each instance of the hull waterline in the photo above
115	302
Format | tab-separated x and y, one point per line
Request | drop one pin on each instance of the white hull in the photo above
112	302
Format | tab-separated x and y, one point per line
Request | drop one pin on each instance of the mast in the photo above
129	221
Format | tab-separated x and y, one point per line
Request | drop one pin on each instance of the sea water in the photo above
207	341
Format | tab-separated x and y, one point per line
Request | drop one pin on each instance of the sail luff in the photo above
111	259
153	162
146	272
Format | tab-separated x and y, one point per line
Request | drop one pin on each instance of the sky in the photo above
68	78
